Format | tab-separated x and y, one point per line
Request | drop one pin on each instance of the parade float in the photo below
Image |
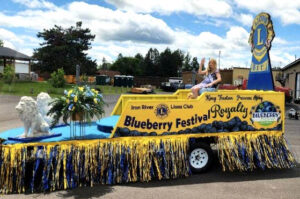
149	136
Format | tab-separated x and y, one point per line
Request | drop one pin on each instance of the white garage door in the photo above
22	67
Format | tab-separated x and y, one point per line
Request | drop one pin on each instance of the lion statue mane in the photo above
42	101
34	123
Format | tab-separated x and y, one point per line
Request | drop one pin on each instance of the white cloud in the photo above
105	23
130	33
279	41
245	19
214	8
288	10
9	37
279	59
237	37
36	3
9	45
21	43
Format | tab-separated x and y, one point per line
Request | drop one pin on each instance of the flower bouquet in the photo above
79	103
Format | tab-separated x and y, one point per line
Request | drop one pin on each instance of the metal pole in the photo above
77	74
219	60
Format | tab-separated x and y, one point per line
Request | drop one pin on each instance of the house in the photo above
19	61
291	73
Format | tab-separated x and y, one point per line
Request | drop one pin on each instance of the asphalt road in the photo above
258	184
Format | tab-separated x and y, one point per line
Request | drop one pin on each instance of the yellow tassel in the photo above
245	152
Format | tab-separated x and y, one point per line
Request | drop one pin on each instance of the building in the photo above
190	77
291	73
19	61
234	76
239	74
109	73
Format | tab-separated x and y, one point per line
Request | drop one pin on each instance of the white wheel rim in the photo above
198	158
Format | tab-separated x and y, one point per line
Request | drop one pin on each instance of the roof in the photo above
291	64
12	54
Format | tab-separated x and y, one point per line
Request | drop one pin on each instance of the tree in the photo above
1	43
104	64
9	75
178	57
65	48
166	63
141	63
151	62
195	64
57	79
127	66
186	64
170	63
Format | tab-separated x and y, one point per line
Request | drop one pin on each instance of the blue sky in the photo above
200	27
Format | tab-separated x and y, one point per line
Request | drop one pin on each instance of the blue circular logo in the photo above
162	111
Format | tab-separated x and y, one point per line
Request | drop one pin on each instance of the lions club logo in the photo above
162	111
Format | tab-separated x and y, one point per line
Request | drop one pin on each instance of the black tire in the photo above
200	157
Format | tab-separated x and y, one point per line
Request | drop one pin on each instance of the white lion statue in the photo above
42	101
34	123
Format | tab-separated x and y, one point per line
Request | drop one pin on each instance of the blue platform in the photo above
107	124
91	132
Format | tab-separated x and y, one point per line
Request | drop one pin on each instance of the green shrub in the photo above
8	74
84	78
57	79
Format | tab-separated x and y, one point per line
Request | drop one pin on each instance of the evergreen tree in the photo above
151	62
171	63
104	64
186	64
195	64
65	48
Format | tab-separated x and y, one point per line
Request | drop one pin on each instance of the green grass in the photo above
113	90
31	88
28	88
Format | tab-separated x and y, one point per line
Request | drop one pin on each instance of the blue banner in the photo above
261	36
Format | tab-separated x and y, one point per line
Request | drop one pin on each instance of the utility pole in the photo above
219	60
78	74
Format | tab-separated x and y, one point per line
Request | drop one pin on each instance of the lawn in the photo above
29	88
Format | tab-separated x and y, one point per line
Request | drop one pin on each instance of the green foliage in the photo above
57	79
80	100
163	64
187	63
195	64
1	43
84	78
151	62
65	48
171	63
127	66
9	74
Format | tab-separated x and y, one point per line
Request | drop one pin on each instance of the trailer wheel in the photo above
200	157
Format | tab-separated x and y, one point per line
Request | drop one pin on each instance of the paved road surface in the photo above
278	184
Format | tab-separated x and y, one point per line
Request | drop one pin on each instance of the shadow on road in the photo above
214	175
86	192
